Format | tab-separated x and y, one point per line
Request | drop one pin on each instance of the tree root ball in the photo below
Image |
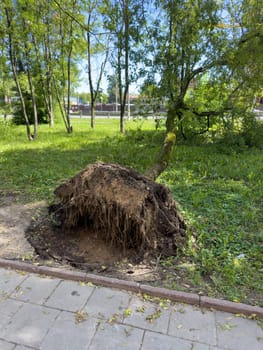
126	208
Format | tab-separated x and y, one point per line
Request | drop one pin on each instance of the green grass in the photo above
220	195
37	167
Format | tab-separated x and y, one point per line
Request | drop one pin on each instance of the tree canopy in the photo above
202	59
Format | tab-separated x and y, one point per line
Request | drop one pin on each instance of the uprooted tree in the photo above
126	208
199	45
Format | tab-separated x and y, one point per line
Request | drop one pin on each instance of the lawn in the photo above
220	193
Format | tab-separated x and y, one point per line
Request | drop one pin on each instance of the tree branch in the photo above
83	26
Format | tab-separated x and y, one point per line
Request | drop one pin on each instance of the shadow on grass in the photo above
40	168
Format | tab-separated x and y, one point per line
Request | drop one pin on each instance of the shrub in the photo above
18	118
252	131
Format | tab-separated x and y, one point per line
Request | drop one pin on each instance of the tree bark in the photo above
18	86
61	105
34	104
47	95
32	89
126	48
167	148
93	94
92	115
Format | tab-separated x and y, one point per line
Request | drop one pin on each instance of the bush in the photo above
252	131
231	141
248	134
18	114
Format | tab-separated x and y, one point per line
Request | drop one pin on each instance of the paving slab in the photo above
147	315
29	325
238	333
9	280
156	341
116	337
70	296
6	346
107	303
35	290
70	332
8	308
191	323
77	316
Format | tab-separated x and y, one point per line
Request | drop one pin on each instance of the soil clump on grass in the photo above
125	208
108	215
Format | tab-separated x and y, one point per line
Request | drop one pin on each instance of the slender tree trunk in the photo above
49	78
92	114
32	90
92	92
66	52
168	145
69	127
126	47
46	82
50	104
61	105
124	90
18	86
122	106
41	78
23	105
34	104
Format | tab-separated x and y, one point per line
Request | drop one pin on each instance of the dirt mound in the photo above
125	208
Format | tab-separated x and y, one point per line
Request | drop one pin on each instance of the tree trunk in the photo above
49	79
46	89
92	115
34	105
61	105
93	94
94	91
122	123
18	86
69	127
32	90
126	65
168	145
50	105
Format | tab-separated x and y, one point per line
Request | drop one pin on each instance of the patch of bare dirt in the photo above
86	250
15	217
27	233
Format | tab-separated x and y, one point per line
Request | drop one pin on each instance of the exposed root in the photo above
127	208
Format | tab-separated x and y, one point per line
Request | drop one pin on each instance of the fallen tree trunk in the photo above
128	209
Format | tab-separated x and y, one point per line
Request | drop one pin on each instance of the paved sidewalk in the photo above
53	314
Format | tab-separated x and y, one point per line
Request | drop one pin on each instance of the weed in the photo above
141	309
81	316
153	317
127	312
227	326
114	318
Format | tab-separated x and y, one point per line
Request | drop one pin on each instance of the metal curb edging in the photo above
182	297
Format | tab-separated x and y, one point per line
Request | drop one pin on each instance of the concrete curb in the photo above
182	297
